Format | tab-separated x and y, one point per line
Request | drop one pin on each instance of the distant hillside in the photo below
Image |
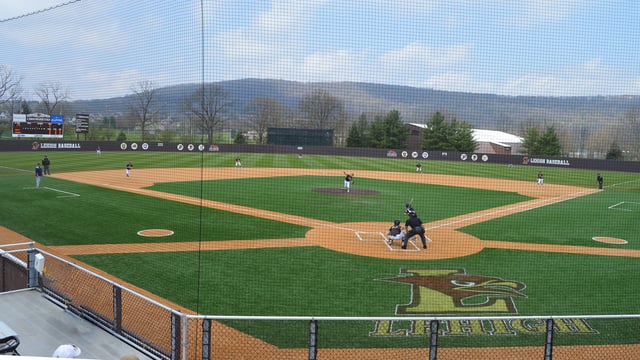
415	104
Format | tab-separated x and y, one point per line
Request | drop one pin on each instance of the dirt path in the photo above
447	241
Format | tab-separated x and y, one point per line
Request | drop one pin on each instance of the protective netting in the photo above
135	44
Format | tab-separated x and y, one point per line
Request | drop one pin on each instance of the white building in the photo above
489	141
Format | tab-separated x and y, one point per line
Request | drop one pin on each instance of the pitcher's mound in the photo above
340	191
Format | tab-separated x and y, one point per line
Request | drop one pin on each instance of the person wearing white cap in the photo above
67	351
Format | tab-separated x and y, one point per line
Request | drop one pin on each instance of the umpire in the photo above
415	224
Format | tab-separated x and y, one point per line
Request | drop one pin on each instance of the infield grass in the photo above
312	281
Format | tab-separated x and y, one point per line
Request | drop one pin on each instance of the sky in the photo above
102	48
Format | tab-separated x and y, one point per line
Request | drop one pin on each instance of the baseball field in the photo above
279	236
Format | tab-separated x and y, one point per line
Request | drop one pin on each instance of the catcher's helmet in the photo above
396	222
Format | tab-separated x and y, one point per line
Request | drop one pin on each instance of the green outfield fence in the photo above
163	332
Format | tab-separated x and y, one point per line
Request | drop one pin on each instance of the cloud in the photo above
13	8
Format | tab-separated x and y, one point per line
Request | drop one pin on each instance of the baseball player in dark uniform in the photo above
348	179
395	232
409	209
414	227
600	180
45	164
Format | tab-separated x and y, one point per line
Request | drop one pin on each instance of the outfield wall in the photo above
413	155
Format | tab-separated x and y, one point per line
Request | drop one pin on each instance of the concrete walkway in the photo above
42	325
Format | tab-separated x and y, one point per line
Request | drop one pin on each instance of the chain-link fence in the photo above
165	331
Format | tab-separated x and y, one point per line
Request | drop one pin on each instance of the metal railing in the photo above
162	332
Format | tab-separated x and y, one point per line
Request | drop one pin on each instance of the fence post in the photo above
206	339
32	281
176	338
117	309
313	339
433	346
548	346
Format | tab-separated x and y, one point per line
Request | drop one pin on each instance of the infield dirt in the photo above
447	241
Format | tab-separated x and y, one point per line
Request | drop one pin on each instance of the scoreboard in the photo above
37	125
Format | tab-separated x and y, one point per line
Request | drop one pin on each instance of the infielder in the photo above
348	179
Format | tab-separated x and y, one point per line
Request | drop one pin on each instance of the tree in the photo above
614	152
209	104
546	144
441	135
121	137
240	138
265	112
323	110
359	133
141	105
531	143
25	108
51	95
9	84
389	131
550	144
632	132
462	137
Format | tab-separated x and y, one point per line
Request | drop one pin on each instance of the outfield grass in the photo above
608	213
313	281
81	161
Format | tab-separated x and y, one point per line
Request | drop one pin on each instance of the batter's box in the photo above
378	236
370	236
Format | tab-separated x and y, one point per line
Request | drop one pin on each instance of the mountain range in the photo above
416	105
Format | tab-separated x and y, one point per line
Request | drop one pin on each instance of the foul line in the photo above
69	194
511	209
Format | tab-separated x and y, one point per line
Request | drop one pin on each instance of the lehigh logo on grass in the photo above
446	291
451	291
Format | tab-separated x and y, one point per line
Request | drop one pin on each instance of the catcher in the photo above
395	232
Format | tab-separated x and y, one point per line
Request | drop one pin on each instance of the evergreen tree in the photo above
614	152
550	144
389	132
240	138
462	137
436	133
359	133
546	144
448	136
531	142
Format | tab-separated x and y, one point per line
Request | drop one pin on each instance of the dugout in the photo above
298	137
